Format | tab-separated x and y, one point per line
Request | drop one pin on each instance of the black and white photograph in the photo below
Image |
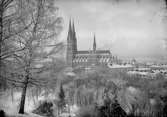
83	58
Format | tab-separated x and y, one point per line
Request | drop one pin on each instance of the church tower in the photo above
93	55
74	39
94	44
71	45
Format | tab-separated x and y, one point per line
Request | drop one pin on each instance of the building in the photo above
85	58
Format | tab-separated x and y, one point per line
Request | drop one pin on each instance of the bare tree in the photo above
10	26
4	6
38	42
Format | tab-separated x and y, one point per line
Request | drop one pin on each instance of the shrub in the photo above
45	109
2	113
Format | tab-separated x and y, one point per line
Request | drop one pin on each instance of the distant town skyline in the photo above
128	28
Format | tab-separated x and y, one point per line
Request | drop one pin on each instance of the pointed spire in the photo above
69	30
74	36
73	27
70	27
94	44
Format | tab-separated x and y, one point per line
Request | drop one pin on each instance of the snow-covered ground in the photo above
120	66
10	104
148	72
23	115
10	100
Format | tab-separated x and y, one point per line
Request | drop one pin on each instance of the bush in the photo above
109	109
45	109
2	113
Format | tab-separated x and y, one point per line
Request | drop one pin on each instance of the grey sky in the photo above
127	28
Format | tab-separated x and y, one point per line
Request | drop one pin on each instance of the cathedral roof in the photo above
103	51
97	51
83	52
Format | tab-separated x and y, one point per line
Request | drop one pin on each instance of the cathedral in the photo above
85	58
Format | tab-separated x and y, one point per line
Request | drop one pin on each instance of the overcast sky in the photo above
128	28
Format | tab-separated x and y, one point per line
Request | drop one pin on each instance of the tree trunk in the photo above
22	103
1	33
1	39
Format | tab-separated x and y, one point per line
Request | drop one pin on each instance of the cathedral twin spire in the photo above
72	40
86	57
71	44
